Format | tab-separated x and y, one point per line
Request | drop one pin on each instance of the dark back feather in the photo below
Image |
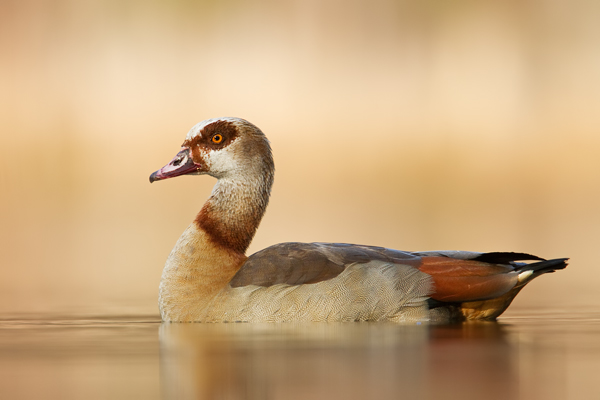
303	263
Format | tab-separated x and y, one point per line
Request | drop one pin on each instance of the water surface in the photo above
539	354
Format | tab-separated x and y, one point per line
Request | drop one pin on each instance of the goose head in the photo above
225	148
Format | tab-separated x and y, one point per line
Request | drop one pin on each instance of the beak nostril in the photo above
179	160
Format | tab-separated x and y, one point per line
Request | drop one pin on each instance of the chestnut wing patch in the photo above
457	280
305	263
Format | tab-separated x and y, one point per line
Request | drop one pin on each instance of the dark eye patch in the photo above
227	130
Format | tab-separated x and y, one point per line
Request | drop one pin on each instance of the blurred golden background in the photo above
416	125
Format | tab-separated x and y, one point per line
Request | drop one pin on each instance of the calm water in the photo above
528	355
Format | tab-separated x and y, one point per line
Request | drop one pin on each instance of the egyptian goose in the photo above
208	278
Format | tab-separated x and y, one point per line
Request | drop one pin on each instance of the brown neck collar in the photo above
232	214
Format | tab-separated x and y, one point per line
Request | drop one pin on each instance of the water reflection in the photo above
331	361
538	355
66	358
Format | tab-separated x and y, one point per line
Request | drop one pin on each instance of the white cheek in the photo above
220	162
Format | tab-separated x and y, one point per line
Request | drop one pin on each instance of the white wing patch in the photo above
523	276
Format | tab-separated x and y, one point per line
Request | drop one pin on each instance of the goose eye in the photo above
217	138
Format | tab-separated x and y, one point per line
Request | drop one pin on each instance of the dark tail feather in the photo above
544	267
504	257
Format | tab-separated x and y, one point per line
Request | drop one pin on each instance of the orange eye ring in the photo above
217	138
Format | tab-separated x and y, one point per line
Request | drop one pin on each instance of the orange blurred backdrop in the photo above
415	125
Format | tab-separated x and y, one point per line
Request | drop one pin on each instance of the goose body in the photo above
208	278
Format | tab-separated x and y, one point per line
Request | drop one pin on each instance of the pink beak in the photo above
181	164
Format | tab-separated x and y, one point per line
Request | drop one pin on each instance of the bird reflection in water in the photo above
337	361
